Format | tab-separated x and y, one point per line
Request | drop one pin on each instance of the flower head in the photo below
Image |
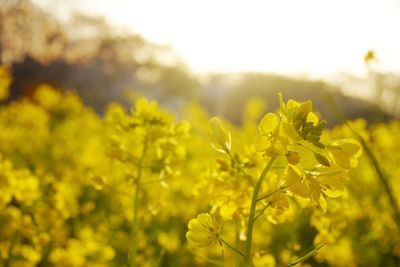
294	122
204	230
220	136
345	152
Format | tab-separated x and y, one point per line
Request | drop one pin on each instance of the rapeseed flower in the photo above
204	230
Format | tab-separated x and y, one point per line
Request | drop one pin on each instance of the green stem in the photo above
222	256
261	212
232	247
250	223
384	181
160	257
308	255
242	172
116	190
14	240
269	194
134	229
237	244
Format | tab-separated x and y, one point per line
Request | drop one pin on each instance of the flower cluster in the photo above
295	132
300	163
69	180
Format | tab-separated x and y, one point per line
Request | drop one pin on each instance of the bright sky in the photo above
312	37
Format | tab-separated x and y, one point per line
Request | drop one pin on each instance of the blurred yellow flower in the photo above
220	136
268	124
204	230
266	260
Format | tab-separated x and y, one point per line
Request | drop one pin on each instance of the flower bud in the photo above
220	136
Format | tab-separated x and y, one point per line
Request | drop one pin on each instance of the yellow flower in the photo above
345	152
169	240
333	180
204	230
268	124
220	136
98	181
48	97
293	122
271	142
266	260
294	182
315	193
279	201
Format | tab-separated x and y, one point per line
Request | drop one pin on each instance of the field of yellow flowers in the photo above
141	188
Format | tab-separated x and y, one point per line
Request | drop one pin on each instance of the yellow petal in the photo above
292	175
203	230
288	130
262	144
314	190
312	117
268	123
280	201
346	152
340	157
303	110
219	135
264	261
333	193
278	146
322	203
299	189
226	211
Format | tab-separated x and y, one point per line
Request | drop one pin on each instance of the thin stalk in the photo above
117	191
262	211
134	230
250	223
242	172
384	181
152	182
232	247
269	194
222	256
14	240
237	244
160	257
308	255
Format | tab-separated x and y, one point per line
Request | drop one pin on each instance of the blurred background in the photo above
218	53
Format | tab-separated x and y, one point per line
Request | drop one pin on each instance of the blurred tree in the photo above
267	86
103	64
27	30
87	55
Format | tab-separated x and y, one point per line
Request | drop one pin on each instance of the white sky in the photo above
312	37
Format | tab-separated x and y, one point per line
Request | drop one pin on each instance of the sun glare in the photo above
292	37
